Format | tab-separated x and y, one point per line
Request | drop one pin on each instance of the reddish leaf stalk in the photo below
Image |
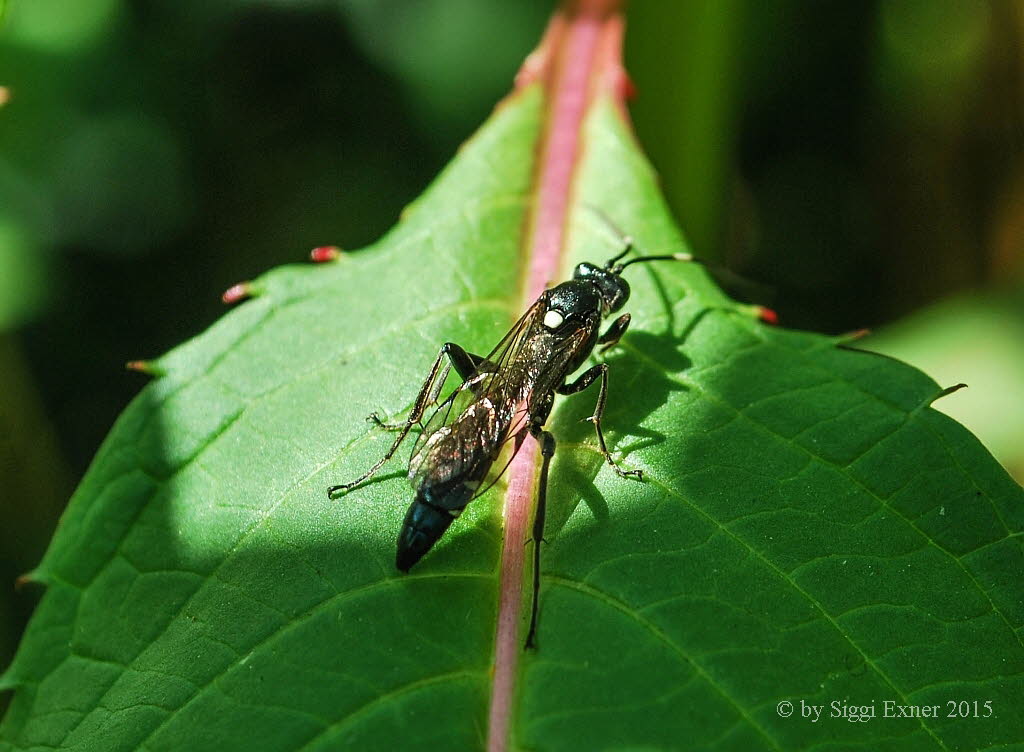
579	55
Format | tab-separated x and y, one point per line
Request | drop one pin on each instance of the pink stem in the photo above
579	54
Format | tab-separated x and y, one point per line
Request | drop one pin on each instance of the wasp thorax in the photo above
613	288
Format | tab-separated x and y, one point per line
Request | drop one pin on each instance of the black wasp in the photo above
503	397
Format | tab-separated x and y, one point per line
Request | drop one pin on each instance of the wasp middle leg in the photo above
586	379
466	365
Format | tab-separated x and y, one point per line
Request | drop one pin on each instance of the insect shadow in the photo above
641	381
642	367
508	394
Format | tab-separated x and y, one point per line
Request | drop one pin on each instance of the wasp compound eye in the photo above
586	271
614	289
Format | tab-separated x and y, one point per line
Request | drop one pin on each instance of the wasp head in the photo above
614	290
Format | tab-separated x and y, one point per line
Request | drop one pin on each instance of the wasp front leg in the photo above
466	365
611	337
585	380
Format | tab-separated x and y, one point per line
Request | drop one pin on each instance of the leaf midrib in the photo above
284	495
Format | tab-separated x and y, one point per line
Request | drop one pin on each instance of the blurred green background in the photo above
861	159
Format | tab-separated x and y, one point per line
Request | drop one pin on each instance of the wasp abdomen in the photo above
424	524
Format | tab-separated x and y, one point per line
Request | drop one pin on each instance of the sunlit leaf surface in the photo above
808	529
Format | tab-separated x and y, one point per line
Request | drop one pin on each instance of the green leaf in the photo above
808	529
201	588
977	338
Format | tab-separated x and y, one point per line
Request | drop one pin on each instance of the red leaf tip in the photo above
855	335
236	293
325	253
768	315
147	367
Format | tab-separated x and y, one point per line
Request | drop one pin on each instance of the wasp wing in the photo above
465	432
520	425
468	432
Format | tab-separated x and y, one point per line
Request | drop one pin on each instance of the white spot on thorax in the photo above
553	319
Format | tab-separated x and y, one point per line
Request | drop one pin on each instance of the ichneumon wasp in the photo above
504	396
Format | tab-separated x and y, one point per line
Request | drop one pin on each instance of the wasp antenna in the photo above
627	241
662	257
622	237
607	221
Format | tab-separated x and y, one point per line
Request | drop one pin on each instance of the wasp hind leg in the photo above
586	379
547	450
465	365
375	418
